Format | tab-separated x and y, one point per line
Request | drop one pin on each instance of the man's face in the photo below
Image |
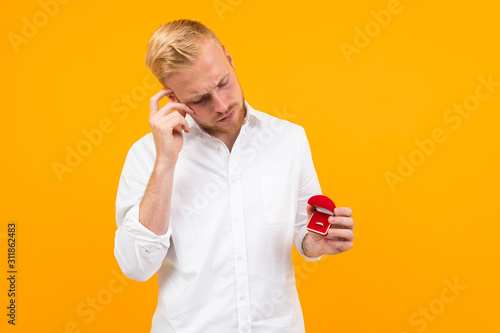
210	88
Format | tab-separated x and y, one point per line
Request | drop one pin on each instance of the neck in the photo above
228	138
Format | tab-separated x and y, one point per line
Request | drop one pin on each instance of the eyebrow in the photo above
198	95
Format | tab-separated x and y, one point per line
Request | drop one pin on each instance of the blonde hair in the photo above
175	46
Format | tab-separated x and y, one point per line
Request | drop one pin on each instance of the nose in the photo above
220	105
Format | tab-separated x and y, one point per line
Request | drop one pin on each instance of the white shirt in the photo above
225	263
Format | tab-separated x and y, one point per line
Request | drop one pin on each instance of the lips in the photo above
229	116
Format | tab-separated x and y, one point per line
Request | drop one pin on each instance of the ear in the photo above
171	96
228	56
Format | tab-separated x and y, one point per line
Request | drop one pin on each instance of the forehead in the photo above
204	74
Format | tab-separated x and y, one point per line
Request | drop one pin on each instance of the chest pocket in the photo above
279	196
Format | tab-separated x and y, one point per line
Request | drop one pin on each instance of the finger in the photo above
341	222
182	124
172	120
161	117
155	100
310	209
336	246
173	106
343	211
341	234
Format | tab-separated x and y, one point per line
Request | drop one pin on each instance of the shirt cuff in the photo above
150	242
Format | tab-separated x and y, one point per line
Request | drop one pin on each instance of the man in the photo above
213	199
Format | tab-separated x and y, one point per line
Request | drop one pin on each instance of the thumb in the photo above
310	209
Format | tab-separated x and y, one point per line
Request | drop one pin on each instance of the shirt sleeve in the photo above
138	250
308	186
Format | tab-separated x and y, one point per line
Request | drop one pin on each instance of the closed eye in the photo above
199	101
204	98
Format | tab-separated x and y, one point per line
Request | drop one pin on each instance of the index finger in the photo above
154	102
343	211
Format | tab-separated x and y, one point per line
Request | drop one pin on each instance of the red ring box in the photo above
318	222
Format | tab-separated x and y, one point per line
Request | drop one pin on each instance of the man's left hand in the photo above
338	239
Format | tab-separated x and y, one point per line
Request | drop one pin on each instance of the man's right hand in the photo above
167	125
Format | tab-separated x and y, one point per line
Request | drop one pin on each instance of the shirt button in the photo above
234	180
240	257
236	218
199	135
242	297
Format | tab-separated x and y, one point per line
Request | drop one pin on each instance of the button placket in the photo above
239	239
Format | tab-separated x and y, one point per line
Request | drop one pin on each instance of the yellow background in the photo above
362	113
